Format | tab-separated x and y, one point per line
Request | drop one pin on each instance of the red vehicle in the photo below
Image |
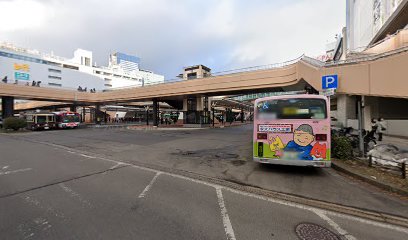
67	119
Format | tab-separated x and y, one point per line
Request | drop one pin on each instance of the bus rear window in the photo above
70	118
41	119
294	108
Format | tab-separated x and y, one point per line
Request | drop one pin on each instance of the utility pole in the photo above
360	109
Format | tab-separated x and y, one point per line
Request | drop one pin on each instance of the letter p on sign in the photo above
329	81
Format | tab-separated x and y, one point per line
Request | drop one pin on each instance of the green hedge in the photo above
14	123
341	148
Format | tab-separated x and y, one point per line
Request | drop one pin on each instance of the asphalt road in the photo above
89	184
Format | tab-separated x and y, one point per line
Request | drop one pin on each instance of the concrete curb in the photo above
227	126
382	185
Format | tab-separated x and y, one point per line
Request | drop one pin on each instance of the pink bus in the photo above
292	130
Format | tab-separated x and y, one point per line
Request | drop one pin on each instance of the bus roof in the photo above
291	96
40	114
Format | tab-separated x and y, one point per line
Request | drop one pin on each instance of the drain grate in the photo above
311	231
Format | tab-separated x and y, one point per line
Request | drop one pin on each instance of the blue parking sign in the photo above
330	81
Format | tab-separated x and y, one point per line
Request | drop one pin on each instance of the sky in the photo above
171	34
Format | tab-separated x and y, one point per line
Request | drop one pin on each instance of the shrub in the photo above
341	148
14	123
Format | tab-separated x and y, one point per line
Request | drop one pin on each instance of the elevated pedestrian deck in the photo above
379	75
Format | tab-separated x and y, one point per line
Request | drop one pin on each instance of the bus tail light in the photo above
321	137
262	136
260	149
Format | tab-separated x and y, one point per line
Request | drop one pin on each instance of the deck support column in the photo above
7	106
155	112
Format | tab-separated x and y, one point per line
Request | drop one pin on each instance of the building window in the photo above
54	70
70	67
192	75
108	85
54	77
53	63
55	84
20	57
107	79
87	61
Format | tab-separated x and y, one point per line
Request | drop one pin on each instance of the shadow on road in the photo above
290	170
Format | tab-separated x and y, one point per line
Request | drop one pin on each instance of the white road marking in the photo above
282	202
48	209
75	194
369	222
117	165
5	167
305	207
15	171
334	225
147	188
30	228
229	231
87	156
42	222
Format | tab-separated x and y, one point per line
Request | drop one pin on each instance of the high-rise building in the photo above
127	62
22	66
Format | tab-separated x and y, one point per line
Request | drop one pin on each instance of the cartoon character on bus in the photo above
318	151
301	145
276	145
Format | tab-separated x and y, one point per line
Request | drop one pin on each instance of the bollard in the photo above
370	161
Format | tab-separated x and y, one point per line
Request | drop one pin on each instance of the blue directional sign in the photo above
330	81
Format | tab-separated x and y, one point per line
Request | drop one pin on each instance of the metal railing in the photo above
371	57
313	61
223	73
362	48
368	57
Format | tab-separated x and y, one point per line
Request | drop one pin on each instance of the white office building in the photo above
371	25
368	21
23	66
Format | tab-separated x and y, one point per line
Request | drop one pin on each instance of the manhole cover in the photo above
310	231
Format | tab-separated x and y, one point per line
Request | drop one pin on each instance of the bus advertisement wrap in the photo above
292	130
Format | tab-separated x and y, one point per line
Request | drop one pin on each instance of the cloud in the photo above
22	14
168	35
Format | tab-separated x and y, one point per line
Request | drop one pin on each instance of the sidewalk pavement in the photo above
372	176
